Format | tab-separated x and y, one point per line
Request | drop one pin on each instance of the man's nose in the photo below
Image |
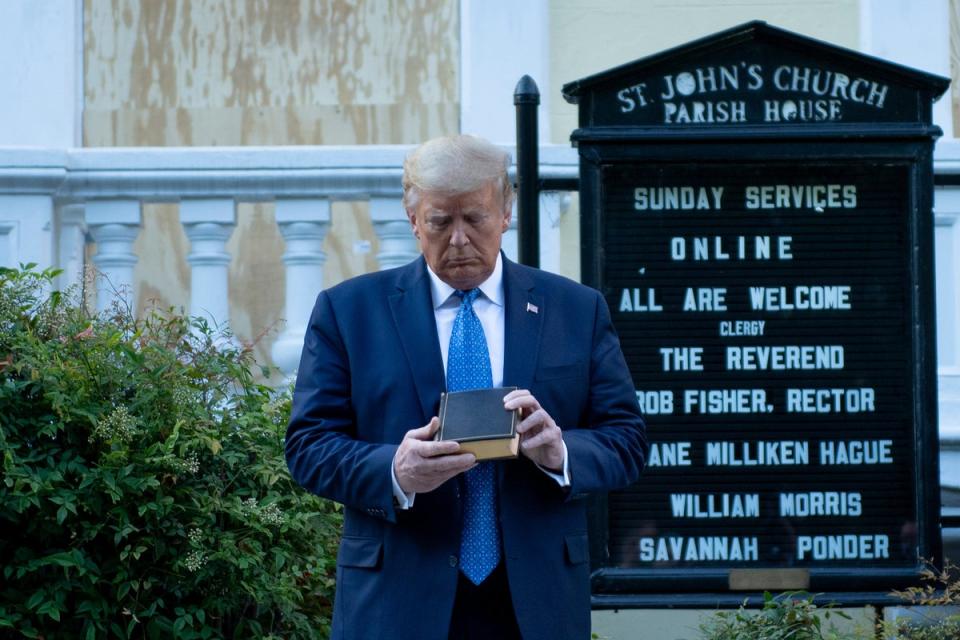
458	237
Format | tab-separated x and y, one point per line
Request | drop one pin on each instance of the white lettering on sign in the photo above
632	96
709	112
860	400
817	197
655	403
822	82
783	358
632	300
698	549
742	328
682	358
739	248
758	453
723	505
843	547
801	297
856	452
701	80
716	401
802	110
690	96
821	503
705	299
669	454
676	198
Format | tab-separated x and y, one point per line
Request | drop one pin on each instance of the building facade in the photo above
232	157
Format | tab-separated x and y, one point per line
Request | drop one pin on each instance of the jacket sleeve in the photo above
325	452
610	450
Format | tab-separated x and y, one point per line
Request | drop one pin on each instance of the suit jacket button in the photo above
453	561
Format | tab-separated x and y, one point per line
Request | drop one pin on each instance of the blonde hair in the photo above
454	165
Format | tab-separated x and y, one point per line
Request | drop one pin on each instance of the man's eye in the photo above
438	223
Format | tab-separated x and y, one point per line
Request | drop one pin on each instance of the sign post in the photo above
757	210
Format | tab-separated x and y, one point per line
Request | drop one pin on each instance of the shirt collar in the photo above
492	287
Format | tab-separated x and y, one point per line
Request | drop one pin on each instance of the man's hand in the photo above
422	464
541	439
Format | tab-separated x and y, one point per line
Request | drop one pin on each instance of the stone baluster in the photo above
398	246
303	224
114	225
209	223
71	241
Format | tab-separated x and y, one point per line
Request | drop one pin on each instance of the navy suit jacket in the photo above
371	370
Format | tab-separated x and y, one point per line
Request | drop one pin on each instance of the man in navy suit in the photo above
374	364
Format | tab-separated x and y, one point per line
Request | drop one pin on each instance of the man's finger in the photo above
425	432
536	419
434	448
451	463
516	393
537	440
523	400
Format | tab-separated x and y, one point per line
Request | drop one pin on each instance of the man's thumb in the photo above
426	431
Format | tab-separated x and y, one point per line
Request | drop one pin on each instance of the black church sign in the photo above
757	209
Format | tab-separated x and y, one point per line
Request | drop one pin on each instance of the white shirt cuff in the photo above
403	500
563	479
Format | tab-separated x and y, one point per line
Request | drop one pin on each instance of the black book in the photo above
477	420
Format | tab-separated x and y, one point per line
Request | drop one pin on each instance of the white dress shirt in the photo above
489	309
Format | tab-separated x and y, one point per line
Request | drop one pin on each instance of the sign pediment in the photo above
755	74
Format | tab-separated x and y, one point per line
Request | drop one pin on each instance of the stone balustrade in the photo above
53	202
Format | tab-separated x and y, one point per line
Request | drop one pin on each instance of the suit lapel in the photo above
413	317
523	318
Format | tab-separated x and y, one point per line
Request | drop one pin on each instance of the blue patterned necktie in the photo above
468	367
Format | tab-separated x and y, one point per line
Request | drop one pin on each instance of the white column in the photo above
44	88
71	244
500	41
947	220
303	224
209	223
114	225
398	246
553	204
915	33
26	230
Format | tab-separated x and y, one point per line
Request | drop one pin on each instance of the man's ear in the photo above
412	217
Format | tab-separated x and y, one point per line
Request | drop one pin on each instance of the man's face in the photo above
460	234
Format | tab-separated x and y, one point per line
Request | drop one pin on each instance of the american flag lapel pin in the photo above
532	308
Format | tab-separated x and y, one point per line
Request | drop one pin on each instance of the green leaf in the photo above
36	599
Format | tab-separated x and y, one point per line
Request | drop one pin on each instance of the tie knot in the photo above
468	296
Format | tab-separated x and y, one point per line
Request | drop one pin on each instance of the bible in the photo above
477	420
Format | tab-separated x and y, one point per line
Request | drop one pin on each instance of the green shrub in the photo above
940	588
144	488
788	616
